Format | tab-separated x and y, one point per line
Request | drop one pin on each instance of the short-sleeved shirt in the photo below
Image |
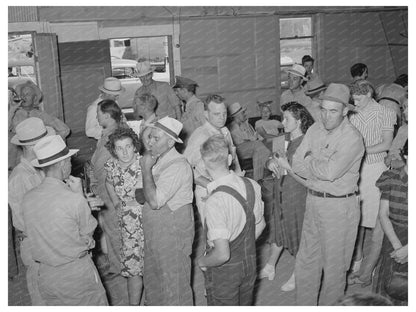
335	157
166	98
270	126
58	221
295	96
243	132
23	178
371	122
225	217
393	185
173	183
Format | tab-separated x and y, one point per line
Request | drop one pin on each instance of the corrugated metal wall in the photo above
18	14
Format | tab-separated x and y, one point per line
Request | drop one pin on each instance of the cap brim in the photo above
241	109
145	73
35	162
316	90
16	141
330	98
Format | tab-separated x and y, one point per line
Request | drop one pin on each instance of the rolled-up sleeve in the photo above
216	219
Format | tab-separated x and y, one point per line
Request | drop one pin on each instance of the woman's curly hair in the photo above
299	112
120	133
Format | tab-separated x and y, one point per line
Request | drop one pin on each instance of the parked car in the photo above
22	71
126	71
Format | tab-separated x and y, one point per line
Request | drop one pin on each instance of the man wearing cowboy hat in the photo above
59	228
296	74
247	140
314	89
29	106
110	90
193	109
328	162
23	178
169	104
168	221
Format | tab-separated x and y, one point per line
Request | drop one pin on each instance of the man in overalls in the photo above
234	219
168	221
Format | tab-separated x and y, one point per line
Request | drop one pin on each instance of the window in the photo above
295	42
125	55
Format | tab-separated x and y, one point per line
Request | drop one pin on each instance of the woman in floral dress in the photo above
123	178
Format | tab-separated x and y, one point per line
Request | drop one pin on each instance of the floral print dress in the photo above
124	181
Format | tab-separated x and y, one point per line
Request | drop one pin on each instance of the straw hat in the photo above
315	85
30	131
297	70
51	150
144	68
112	86
170	126
235	108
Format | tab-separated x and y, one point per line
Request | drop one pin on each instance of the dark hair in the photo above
368	299
110	107
358	69
299	112
191	88
307	58
120	133
213	98
150	101
401	80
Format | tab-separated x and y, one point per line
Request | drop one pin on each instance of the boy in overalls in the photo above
233	222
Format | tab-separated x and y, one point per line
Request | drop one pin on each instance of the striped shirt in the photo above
371	122
393	185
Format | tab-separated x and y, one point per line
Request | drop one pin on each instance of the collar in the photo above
220	181
26	163
54	181
150	119
339	128
208	126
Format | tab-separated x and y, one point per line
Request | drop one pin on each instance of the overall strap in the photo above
389	99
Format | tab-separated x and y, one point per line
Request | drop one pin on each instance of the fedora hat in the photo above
235	108
30	131
297	70
51	150
337	92
315	85
170	126
182	82
34	87
144	68
112	86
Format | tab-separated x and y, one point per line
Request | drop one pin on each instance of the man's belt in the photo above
328	195
81	255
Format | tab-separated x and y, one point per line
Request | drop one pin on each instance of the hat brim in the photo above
316	90
146	72
15	139
178	140
101	88
241	109
71	152
330	98
289	70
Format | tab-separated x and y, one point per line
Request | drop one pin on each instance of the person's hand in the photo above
147	161
284	163
400	255
201	266
387	160
75	184
273	166
95	202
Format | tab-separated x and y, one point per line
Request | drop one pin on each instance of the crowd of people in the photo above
332	171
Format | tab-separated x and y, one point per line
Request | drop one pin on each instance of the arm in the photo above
149	186
237	134
386	224
335	165
92	127
60	127
258	210
217	255
201	181
112	193
174	102
87	223
384	145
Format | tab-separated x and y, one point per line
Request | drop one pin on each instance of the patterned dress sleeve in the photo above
109	168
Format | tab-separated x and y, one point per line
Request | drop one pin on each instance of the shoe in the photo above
290	284
268	271
356	266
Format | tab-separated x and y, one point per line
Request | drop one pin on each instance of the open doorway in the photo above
127	52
